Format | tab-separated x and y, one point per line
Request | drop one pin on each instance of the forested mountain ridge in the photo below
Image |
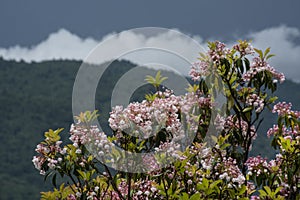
37	96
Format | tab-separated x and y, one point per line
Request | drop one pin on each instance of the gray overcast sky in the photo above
29	22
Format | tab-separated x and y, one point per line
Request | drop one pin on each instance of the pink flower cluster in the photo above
206	158
257	165
273	131
286	132
144	190
141	189
291	132
123	189
283	108
38	161
198	70
260	65
217	52
92	137
189	105
146	118
223	167
229	171
170	149
233	123
151	163
47	156
244	48
255	101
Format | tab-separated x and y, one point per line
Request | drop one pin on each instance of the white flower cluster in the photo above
145	119
259	65
230	171
95	140
255	101
48	156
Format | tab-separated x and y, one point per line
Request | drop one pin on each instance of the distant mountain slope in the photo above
38	96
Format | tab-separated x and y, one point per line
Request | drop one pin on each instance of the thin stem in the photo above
166	190
112	183
129	175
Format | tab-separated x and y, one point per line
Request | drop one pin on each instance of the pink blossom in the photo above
244	48
260	65
217	52
199	70
232	122
255	101
256	165
282	108
273	131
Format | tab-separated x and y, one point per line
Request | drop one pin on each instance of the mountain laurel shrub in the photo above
218	167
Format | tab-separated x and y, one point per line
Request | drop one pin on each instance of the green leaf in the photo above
259	52
150	97
267	51
242	190
247	63
278	190
205	182
157	80
233	79
214	138
215	184
263	193
270	56
82	174
247	109
273	99
195	196
268	190
239	65
203	87
47	175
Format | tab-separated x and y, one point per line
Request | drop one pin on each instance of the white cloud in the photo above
65	45
59	45
281	40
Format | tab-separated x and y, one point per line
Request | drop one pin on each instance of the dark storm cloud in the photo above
41	30
28	22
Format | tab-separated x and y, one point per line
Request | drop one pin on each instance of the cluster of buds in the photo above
144	119
257	165
283	108
260	65
228	170
144	190
244	48
50	154
217	52
233	123
199	70
255	101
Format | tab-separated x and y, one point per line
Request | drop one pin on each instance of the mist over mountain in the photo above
66	44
